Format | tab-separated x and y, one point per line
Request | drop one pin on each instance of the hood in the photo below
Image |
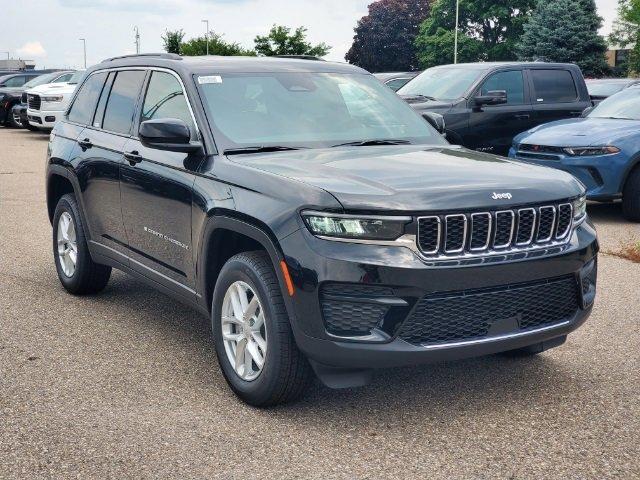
417	177
11	91
579	132
63	88
418	102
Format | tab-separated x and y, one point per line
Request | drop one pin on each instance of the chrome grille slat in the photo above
461	235
503	235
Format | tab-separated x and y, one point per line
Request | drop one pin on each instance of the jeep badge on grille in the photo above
502	196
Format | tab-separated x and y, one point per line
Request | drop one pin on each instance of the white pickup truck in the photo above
47	103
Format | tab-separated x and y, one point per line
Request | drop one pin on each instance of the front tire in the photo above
631	197
254	343
14	120
77	272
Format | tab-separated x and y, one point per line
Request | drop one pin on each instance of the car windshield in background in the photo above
77	77
443	83
309	110
604	89
41	80
624	105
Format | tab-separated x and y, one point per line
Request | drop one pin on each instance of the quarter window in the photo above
85	102
512	82
165	99
118	116
554	86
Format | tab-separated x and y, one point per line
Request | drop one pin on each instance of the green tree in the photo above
566	31
217	46
626	33
488	31
385	38
280	41
172	40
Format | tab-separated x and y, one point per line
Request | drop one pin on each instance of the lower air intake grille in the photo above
346	310
473	314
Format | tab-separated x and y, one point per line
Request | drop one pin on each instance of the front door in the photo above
157	189
493	127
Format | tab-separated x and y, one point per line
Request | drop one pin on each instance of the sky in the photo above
48	31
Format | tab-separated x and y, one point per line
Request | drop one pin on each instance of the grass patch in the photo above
629	252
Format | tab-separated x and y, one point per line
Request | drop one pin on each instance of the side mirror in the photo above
169	134
586	112
436	121
494	97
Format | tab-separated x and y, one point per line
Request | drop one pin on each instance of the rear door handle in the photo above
522	116
133	157
86	143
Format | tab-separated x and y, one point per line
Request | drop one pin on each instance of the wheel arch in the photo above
225	235
634	163
60	182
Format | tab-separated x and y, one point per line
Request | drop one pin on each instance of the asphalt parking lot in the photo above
126	384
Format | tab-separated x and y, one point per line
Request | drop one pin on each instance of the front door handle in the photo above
133	157
522	116
86	143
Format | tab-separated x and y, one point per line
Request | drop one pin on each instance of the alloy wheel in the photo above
244	331
67	244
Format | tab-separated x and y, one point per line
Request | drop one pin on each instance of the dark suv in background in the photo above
315	218
485	105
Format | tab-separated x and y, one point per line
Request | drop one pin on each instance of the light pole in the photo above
135	29
455	37
206	34
84	48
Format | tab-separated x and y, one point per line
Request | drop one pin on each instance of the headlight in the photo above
53	98
591	151
362	227
579	209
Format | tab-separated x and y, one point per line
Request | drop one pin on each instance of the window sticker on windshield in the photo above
209	79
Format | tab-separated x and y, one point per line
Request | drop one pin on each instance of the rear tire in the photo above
77	272
631	196
284	372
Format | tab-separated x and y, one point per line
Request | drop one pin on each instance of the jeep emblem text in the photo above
501	196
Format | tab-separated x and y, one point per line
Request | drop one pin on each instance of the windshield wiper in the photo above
367	143
421	97
259	149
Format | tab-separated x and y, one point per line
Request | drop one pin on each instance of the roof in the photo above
210	64
490	65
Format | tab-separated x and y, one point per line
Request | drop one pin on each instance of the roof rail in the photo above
168	56
301	57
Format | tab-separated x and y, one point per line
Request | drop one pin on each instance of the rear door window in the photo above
121	106
511	82
554	86
85	102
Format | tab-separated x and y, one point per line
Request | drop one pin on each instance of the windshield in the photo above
604	89
624	105
309	110
41	80
448	83
77	77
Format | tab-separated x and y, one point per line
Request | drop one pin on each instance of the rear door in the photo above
97	162
492	127
157	190
555	95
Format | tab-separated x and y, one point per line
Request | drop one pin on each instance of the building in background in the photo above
16	64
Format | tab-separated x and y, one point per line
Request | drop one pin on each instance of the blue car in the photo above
602	149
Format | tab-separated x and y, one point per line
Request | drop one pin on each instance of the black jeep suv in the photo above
485	105
316	219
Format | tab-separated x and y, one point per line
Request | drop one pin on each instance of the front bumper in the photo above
602	175
314	263
45	119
